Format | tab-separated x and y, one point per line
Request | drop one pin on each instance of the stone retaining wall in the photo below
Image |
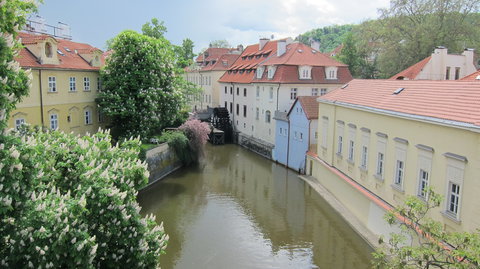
161	162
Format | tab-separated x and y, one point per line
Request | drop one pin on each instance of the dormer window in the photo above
305	72
48	50
259	72
271	71
331	72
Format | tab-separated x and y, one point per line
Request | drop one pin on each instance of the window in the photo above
52	84
19	122
100	116
86	84
380	160
73	84
231	107
53	121
363	162
423	184
231	90
271	94
88	116
331	72
315	92
453	199
238	91
398	180
99	84
245	92
257	114
316	136
225	106
400	156
225	89
238	109
301	136
295	135
447	73
271	71
293	93
245	111
48	50
280	131
324	132
340	128
351	143
258	91
259	72
457	73
323	91
305	72
267	116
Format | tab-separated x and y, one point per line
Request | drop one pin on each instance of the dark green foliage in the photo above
329	37
178	141
140	92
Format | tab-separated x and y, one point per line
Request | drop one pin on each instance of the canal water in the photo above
239	210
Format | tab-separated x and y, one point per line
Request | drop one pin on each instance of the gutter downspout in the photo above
41	97
277	97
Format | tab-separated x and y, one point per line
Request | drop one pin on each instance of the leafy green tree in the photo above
140	88
13	80
350	56
185	53
329	37
423	243
155	28
70	202
408	31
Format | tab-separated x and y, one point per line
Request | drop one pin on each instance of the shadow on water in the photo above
239	210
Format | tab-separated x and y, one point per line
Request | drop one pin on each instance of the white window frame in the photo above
52	84
381	156
323	91
400	163
365	146
424	172
271	94
351	143
73	84
380	164
293	93
268	116
314	91
88	116
19	122
423	183
86	84
455	176
53	121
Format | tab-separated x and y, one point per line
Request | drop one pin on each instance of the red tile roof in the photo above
69	59
475	76
269	48
446	100
301	54
412	72
213	53
309	105
288	74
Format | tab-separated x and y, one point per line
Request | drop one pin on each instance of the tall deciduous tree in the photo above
221	43
408	31
140	89
154	28
13	80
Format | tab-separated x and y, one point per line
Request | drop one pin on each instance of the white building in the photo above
268	77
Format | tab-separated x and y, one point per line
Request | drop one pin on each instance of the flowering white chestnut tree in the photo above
70	201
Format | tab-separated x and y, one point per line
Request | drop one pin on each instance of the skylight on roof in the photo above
478	77
67	49
344	86
60	52
399	90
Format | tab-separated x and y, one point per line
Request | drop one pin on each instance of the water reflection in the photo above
238	210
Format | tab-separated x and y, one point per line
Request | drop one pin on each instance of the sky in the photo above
238	22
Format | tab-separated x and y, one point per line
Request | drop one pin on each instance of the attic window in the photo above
67	49
244	57
60	52
48	50
399	90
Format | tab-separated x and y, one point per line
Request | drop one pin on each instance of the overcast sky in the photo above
239	22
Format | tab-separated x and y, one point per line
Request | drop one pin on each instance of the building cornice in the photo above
427	119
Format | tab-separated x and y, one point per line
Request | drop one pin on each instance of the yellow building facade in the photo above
65	83
380	142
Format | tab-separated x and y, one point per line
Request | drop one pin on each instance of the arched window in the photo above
267	116
48	50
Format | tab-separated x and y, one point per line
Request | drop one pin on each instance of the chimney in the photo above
281	47
468	53
440	50
314	44
263	42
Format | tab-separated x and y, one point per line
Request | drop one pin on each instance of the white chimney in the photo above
263	42
468	53
281	47
314	44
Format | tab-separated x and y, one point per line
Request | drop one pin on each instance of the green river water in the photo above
239	210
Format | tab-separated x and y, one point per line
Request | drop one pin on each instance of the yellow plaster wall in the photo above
441	138
63	101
